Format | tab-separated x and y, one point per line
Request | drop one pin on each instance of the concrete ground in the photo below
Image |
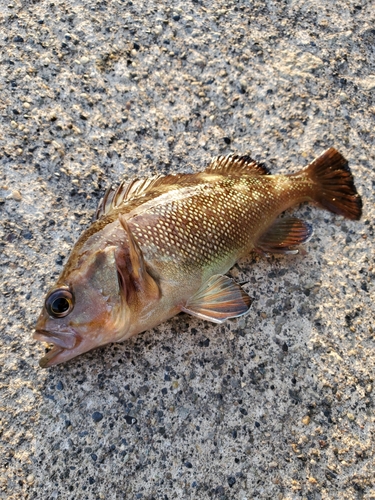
279	404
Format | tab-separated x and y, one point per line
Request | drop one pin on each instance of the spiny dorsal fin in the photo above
236	165
126	191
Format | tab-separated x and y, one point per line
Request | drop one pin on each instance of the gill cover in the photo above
136	283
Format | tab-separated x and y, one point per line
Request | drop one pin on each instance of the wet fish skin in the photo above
162	245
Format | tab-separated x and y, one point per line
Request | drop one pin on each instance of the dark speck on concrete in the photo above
97	416
205	342
130	420
231	481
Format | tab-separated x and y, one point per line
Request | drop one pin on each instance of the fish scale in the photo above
162	245
210	226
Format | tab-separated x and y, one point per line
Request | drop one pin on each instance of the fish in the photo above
164	244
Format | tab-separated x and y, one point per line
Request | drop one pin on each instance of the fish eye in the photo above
59	303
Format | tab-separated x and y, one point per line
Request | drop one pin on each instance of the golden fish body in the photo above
163	245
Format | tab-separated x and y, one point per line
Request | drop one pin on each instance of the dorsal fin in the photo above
236	165
127	190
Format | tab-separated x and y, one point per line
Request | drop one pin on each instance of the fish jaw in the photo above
59	355
64	343
51	357
60	351
71	340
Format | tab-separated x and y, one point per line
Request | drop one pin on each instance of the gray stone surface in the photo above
279	404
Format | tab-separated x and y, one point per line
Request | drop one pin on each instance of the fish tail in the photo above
333	185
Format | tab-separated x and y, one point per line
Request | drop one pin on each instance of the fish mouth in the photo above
64	339
48	360
63	342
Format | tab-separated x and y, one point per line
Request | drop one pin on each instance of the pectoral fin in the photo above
218	299
284	235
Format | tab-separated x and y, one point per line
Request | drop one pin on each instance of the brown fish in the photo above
163	244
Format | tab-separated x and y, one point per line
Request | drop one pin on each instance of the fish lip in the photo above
63	339
48	360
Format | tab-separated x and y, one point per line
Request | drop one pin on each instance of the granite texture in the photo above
279	404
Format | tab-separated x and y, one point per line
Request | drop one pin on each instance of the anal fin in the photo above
218	299
284	235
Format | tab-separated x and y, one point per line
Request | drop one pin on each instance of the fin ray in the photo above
284	235
218	299
236	165
126	191
333	184
129	191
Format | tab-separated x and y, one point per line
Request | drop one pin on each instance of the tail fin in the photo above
334	185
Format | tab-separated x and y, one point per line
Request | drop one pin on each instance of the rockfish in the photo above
162	245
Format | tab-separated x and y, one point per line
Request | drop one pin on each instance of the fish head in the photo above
84	310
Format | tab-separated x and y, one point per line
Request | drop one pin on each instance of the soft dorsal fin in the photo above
236	165
126	191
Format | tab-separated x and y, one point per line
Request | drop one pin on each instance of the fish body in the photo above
162	245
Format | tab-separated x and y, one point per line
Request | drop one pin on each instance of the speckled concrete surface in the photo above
279	404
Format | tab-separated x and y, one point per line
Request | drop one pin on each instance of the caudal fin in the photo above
334	185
